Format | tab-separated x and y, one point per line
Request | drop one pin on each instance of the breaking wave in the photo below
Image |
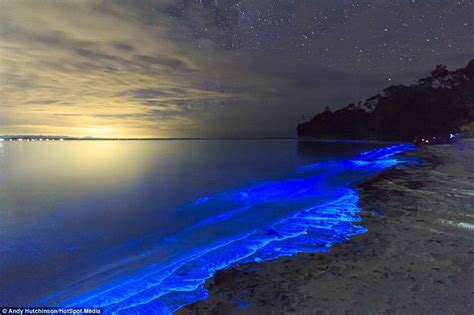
309	211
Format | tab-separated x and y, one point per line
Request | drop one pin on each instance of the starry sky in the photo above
212	68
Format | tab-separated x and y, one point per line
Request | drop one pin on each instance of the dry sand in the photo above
417	258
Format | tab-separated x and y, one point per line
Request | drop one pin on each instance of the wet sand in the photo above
417	258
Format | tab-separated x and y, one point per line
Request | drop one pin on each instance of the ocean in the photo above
138	226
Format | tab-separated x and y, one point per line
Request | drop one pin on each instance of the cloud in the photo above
123	46
151	93
194	68
78	65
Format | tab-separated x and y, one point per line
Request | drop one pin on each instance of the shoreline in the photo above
417	255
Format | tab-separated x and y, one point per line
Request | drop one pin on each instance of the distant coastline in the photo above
438	105
66	138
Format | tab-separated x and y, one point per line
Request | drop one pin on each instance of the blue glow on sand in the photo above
309	211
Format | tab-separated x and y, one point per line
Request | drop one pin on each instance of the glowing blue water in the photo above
308	211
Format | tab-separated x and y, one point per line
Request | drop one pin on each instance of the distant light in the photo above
20	139
1	139
451	136
61	139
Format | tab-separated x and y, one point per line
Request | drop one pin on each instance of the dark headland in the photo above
418	254
440	104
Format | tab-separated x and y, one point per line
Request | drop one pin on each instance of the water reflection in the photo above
78	216
83	163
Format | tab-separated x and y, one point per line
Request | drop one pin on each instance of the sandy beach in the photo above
416	258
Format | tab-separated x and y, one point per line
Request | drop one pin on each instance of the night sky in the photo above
220	68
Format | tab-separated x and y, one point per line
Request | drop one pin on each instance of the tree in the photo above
439	72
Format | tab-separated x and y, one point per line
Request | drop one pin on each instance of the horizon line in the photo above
66	138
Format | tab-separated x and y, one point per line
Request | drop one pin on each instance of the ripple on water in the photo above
309	211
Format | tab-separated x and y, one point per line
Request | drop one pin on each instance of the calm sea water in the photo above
137	226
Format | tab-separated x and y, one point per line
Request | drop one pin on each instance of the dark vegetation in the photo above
440	104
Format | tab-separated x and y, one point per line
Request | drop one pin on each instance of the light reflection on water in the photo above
180	209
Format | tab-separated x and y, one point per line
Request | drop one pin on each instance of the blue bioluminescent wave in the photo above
308	211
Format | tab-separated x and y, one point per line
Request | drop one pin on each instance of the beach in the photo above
417	256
